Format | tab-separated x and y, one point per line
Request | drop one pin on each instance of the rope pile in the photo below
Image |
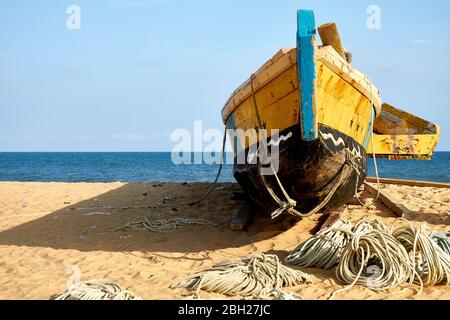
97	289
274	294
442	240
162	225
431	265
246	277
323	250
378	257
373	258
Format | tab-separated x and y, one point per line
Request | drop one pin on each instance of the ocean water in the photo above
146	167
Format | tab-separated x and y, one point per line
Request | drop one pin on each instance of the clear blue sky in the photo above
136	70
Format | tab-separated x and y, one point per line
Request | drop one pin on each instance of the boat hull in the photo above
324	110
308	171
329	115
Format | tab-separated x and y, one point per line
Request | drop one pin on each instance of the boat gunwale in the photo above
327	55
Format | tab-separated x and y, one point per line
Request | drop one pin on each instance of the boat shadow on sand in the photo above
89	225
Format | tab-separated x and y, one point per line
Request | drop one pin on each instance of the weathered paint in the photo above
401	135
231	125
403	146
369	130
341	105
306	70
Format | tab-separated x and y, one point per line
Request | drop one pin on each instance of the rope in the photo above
290	204
245	277
442	240
373	155
373	144
378	257
219	171
162	225
430	263
323	250
274	294
374	246
97	289
216	179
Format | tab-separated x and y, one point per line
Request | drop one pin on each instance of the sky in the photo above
136	70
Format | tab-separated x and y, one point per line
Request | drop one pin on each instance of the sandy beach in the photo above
48	231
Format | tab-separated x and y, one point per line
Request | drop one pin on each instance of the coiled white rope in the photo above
431	264
373	259
376	256
274	294
324	249
97	289
163	225
442	240
246	277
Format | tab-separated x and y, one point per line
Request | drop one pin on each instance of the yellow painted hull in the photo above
340	105
344	103
401	135
329	116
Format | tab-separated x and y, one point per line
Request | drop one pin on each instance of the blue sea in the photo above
153	166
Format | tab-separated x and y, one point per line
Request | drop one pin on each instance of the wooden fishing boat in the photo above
329	118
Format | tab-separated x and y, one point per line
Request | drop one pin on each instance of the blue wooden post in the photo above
306	68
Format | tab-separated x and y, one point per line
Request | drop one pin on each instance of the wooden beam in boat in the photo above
391	202
413	183
330	37
334	216
242	217
306	70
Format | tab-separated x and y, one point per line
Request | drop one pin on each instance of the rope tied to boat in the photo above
257	275
219	171
374	156
97	289
289	205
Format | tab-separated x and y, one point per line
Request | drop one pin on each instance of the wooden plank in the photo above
391	202
334	216
241	218
413	183
239	196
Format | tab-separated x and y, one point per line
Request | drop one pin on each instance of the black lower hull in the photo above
308	171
